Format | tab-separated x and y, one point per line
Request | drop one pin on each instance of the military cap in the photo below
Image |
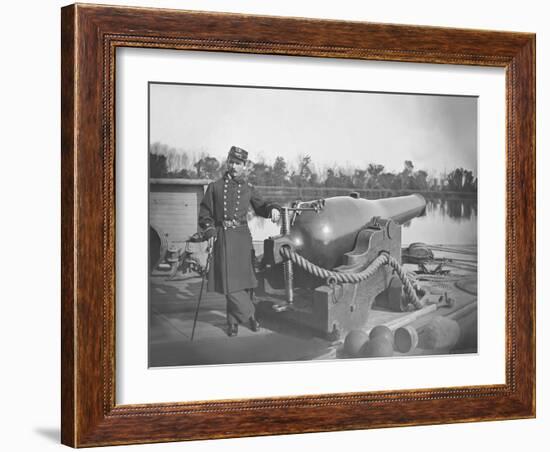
238	154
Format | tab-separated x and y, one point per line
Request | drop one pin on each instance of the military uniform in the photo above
224	207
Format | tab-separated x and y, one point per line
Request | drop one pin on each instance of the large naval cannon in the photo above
337	256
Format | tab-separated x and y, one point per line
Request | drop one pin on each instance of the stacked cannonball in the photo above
378	343
431	333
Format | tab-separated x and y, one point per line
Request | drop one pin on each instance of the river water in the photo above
447	222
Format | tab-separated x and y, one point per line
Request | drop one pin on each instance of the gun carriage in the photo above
334	259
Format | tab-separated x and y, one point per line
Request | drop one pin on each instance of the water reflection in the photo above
447	221
455	209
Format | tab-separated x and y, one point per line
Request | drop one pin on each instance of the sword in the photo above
210	251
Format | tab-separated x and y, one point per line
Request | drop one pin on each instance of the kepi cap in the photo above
238	154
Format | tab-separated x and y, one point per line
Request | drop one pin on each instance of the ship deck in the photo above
173	303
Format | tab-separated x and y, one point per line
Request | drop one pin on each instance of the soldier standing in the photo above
222	214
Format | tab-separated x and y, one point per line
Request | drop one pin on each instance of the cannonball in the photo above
354	341
381	331
377	347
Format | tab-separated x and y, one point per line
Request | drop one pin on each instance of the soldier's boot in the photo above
232	329
254	324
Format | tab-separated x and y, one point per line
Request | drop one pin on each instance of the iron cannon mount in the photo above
328	266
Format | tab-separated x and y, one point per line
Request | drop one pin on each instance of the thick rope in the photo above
355	277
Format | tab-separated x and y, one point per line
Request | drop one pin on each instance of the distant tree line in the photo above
167	162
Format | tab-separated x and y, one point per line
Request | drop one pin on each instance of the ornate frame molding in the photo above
90	36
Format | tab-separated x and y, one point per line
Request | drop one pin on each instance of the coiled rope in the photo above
355	277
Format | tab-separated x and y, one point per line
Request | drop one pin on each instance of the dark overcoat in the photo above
228	199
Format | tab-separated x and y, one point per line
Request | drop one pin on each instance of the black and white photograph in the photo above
304	224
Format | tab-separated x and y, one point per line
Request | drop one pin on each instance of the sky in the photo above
336	128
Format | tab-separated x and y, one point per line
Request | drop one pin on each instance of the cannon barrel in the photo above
324	236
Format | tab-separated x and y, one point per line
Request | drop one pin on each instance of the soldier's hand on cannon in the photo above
275	215
210	233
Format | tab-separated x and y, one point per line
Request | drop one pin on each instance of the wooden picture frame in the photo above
90	36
